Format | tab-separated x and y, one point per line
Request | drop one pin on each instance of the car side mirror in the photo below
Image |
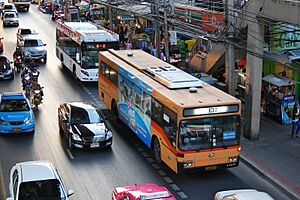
44	44
11	62
70	192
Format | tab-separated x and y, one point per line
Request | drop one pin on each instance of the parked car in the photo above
36	180
10	19
32	47
24	32
9	7
16	115
142	191
6	71
244	194
83	125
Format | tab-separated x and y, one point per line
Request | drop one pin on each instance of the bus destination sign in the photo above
210	110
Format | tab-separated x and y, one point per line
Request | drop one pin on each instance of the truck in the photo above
21	4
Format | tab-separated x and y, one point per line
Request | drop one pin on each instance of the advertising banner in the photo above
287	109
134	104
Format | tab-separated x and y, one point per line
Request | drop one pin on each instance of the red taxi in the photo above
142	192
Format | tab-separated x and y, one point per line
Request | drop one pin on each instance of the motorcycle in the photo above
1	44
18	66
37	97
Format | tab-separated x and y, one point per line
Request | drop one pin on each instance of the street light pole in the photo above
166	32
157	29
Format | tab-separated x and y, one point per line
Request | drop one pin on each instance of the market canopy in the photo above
278	81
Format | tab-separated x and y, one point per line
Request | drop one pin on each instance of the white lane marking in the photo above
168	180
161	172
155	166
70	154
182	195
2	181
174	187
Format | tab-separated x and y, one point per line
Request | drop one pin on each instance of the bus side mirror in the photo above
77	57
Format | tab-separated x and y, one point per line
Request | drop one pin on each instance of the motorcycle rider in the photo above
25	73
17	53
36	86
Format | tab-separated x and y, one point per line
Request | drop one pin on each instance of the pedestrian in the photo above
295	120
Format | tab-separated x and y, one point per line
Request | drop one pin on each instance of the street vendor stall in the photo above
278	98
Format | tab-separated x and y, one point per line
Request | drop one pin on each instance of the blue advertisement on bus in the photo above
134	104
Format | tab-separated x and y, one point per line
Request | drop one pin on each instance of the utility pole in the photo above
166	32
230	54
110	19
157	29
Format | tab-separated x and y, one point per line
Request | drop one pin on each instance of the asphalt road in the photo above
94	174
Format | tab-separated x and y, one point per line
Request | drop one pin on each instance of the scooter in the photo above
1	44
37	98
18	66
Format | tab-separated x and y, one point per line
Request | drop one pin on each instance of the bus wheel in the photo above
156	150
74	71
115	109
62	61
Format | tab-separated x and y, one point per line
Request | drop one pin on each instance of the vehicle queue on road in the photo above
84	126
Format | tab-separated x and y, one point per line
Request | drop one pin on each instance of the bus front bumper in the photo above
182	167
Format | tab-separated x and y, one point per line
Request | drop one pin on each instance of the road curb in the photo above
287	191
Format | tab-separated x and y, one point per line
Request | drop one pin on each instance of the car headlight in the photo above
3	122
108	133
28	121
85	72
76	137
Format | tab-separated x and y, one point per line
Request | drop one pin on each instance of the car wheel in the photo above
45	59
17	25
70	142
156	151
32	132
12	76
74	72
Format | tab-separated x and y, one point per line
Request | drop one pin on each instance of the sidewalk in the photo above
275	155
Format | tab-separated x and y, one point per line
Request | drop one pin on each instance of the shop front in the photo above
278	98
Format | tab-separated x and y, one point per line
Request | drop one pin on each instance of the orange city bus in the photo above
187	123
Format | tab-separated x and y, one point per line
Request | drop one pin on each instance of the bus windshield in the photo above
90	59
198	134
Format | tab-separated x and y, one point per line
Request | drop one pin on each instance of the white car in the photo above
9	7
244	194
36	180
10	19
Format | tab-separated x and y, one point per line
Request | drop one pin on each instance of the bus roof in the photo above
87	32
205	96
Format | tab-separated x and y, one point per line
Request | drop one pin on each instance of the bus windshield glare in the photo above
198	134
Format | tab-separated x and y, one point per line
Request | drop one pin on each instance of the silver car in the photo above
10	19
32	47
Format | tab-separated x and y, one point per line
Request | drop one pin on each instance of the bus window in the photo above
156	111
102	68
113	76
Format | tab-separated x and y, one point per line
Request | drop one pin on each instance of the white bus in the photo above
78	44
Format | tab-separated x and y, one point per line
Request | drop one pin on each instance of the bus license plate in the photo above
16	129
95	145
209	168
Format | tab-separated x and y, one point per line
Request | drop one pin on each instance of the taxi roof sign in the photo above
155	195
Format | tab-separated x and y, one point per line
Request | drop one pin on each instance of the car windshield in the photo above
41	190
9	15
197	134
13	105
83	116
32	43
8	7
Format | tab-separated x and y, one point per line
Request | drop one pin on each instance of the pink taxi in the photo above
142	192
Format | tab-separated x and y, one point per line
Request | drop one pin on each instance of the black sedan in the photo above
6	71
83	125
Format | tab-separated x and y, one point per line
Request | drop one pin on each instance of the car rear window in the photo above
26	32
8	7
14	105
9	15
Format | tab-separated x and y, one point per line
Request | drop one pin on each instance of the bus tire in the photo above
156	150
114	108
74	71
62	61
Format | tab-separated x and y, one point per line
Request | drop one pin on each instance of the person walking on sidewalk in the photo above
295	120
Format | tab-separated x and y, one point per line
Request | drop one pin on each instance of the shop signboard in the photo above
287	109
284	37
134	104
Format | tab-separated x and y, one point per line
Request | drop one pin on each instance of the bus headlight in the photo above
85	72
232	159
188	163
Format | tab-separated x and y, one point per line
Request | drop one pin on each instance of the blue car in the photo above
16	115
